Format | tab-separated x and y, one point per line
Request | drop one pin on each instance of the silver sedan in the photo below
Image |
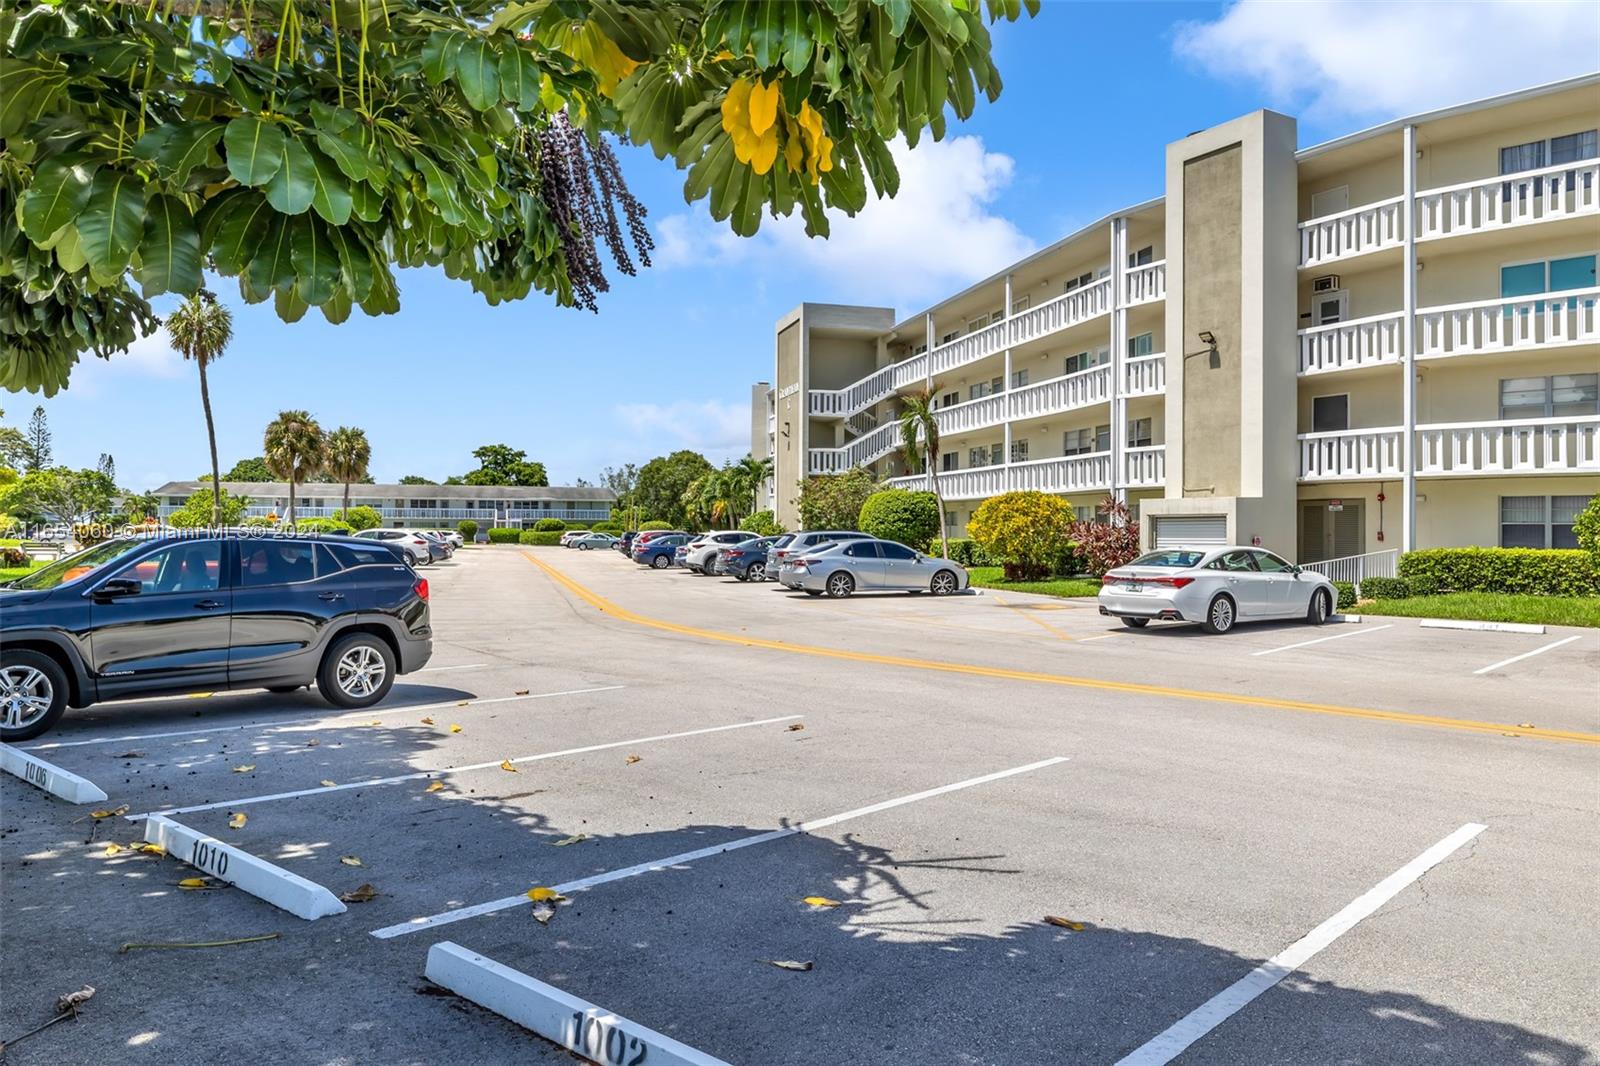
867	565
1218	588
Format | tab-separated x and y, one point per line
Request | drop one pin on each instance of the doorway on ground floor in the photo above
1331	529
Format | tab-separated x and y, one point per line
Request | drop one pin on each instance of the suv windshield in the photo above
76	565
1181	560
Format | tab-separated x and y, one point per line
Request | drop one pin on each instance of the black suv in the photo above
169	612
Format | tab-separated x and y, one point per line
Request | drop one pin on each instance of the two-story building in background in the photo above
1386	341
420	506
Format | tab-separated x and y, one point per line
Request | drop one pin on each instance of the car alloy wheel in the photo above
360	671
944	583
1319	608
25	697
1220	618
840	584
757	572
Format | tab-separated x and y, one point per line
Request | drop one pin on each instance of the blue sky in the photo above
1093	93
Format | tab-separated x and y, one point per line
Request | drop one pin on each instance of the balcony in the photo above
1456	449
1144	375
1371	341
1067	474
1358	231
392	513
1508	325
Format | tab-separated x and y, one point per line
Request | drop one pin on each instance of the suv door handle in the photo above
330	596
209	605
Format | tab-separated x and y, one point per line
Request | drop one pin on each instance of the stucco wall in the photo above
1211	301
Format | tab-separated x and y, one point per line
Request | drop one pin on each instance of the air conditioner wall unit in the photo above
1326	283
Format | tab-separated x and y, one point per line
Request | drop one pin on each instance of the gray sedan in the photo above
869	565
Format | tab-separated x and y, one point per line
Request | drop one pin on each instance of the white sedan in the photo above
1217	587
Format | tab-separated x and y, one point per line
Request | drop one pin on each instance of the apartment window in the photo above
1330	307
949	520
1020	304
1568	148
1554	396
1083	513
978	391
977	457
948	337
1139	435
949	461
997	384
1019	378
1142	256
950	399
1019	451
1086	441
919	349
1539	521
1078	282
1550	275
1330	414
1143	344
1085	360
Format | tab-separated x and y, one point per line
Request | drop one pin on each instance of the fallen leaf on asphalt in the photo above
1511	734
521	692
313	742
541	894
109	814
463	703
543	913
73	1000
564	841
1064	923
196	882
328	784
796	727
505	764
149	849
364	894
375	722
350	860
630	760
237	821
113	849
437	786
820	901
246	768
1526	725
455	729
787	964
428	720
130	755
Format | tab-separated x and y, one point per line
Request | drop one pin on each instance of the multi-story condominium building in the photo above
424	506
1386	341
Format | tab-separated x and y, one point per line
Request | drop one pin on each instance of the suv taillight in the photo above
421	588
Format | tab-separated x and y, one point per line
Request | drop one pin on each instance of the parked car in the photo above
791	543
412	543
1217	587
588	541
569	535
451	537
658	551
703	551
163	614
746	560
624	543
866	564
438	547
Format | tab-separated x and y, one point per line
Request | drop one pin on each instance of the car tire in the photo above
1221	615
840	585
661	562
812	592
1317	613
944	583
281	689
346	676
583	547
757	572
32	676
1136	623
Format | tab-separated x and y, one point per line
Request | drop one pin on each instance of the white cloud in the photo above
1384	60
937	234
713	428
151	356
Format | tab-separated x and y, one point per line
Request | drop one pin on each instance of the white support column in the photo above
1408	342
1007	400
1119	344
928	319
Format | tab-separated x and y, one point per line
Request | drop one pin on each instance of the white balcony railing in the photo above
1068	474
1144	467
1357	568
1446	449
1144	284
1545	321
1369	228
1562	191
1350	454
1369	341
1068	309
1144	375
971	347
861	422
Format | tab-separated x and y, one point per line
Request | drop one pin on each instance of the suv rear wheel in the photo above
358	671
33	694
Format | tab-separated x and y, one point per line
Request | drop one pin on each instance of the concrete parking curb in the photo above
284	890
50	777
586	1030
1481	627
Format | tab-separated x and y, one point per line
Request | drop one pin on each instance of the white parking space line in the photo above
1364	630
317	719
1222	1006
425	775
230	865
442	669
1527	654
1102	636
417	925
579	1026
50	777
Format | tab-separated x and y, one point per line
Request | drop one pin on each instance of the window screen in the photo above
1564	512
1330	414
1019	451
1573	147
1143	344
1522	521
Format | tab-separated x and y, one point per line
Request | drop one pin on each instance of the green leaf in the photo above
272	267
316	263
441	190
478	74
169	255
336	309
111	224
27	91
69	250
355	261
293	187
349	158
193	145
291	307
330	195
58	194
766	34
519	78
439	54
240	226
899	14
366	201
255	150
797	45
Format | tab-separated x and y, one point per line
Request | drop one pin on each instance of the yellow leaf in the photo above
328	784
455	729
787	964
630	760
246	768
765	151
427	721
437	786
374	722
363	894
350	860
820	901
149	849
1064	923
736	107
794	153
541	894
237	821
195	882
505	764
564	841
463	703
109	814
763	105
114	849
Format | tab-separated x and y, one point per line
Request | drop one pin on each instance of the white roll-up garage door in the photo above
1191	530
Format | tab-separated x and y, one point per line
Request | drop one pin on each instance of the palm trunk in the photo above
347	501
289	518
211	437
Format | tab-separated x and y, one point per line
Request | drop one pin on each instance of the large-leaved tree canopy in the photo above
308	148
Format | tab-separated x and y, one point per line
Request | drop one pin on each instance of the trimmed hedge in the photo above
322	525
503	535
646	527
614	528
544	537
970	553
468	529
902	515
1347	594
1386	588
1514	571
550	525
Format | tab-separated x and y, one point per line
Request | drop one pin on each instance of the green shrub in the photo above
550	525
833	501
260	521
468	530
545	537
503	535
322	525
1518	571
646	527
614	528
358	518
1386	588
1347	594
970	553
1031	532
764	524
903	515
579	525
1587	529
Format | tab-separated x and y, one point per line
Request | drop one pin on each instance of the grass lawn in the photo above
1492	607
11	573
993	577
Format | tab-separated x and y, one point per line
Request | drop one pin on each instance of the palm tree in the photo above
200	329
919	442
752	474
295	450
348	454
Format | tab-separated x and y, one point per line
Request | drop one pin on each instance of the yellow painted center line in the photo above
1040	622
605	606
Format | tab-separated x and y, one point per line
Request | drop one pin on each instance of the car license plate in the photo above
1130	588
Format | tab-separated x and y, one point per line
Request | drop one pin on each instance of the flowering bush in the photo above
1032	532
1110	543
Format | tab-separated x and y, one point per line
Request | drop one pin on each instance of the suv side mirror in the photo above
118	587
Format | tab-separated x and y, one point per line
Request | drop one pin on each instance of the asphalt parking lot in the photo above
1365	843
